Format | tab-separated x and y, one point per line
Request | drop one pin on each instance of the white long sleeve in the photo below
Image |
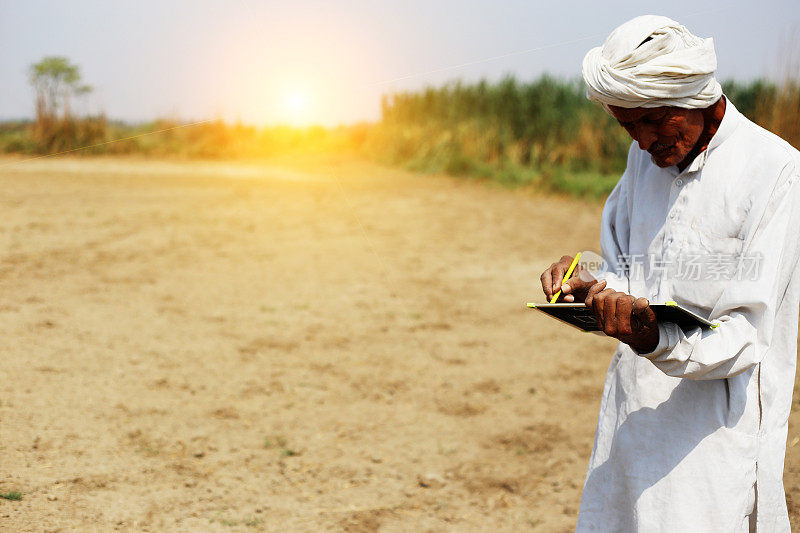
747	308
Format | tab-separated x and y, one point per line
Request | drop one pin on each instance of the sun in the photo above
297	101
296	105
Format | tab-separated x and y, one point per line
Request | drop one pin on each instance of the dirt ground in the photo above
306	345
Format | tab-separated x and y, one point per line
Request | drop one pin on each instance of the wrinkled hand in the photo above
624	317
575	289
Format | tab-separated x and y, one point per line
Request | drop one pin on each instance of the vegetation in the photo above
13	495
56	83
543	133
280	443
212	139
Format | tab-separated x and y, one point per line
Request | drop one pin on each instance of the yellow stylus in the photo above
566	276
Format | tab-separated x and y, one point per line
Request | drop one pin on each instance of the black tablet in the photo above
581	317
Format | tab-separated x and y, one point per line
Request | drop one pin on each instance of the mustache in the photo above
658	147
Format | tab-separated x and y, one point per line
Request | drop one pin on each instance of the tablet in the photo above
581	317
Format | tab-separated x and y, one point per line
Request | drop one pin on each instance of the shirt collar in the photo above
730	120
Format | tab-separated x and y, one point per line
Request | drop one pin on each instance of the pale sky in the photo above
328	62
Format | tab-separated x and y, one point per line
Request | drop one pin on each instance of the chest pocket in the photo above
715	233
711	251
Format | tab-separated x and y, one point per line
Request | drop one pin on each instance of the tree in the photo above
55	80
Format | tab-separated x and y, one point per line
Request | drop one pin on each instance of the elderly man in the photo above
692	428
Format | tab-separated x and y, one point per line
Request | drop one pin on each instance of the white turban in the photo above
674	68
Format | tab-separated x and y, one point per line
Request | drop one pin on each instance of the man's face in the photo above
667	133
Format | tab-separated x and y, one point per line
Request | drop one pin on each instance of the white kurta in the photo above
690	435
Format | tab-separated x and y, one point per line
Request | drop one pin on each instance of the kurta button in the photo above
672	215
679	183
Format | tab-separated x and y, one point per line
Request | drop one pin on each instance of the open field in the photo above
302	346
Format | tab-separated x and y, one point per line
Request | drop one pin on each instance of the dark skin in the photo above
672	136
618	315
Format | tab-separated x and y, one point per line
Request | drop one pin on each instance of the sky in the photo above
328	62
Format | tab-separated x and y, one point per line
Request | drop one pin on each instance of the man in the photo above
692	428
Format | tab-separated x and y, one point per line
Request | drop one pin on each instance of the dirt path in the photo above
213	347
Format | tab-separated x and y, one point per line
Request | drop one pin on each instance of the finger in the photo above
623	312
547	283
558	270
569	298
598	306
610	313
593	290
573	285
637	308
645	313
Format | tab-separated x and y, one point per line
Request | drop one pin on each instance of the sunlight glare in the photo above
297	106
